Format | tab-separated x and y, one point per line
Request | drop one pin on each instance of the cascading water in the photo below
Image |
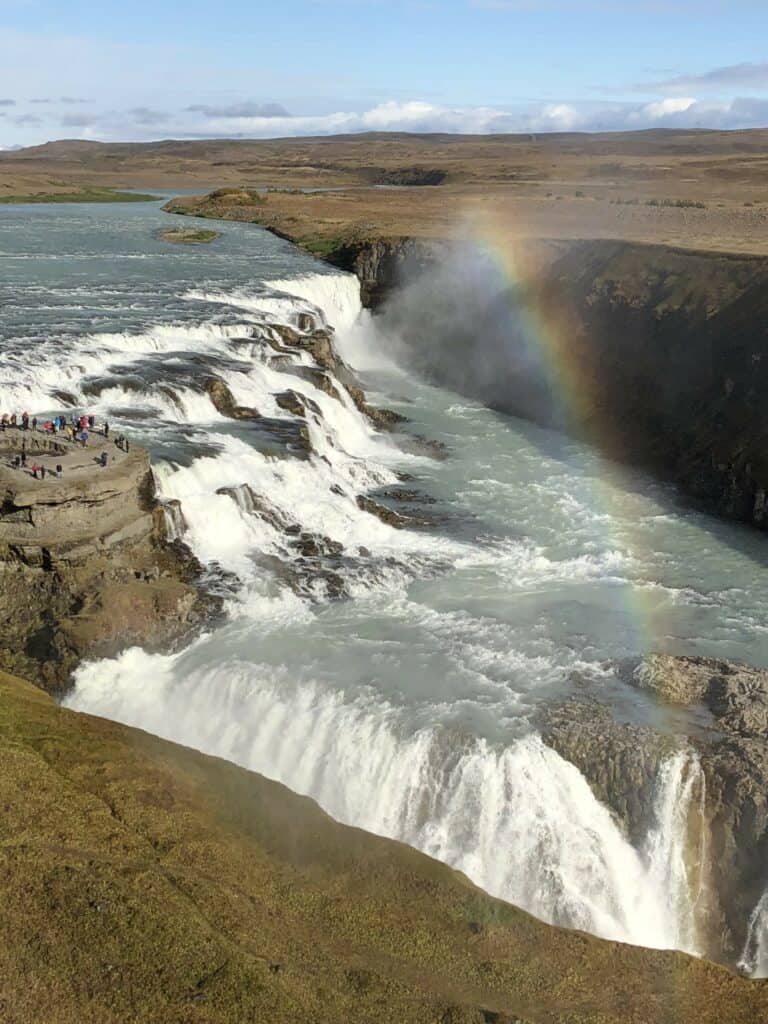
675	850
754	956
519	820
406	709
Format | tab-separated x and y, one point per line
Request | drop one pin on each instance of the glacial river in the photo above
408	707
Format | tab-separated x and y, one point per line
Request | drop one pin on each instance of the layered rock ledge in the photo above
86	567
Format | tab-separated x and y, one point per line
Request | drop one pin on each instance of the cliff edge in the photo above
86	566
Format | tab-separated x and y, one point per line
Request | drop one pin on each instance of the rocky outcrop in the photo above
86	565
223	401
143	881
404	177
623	763
383	264
734	759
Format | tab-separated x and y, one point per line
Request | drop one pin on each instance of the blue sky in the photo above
145	70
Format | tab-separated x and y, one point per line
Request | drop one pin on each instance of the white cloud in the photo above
734	76
141	123
663	108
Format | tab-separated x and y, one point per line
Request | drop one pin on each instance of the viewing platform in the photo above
88	507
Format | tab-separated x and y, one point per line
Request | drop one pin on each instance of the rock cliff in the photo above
143	881
657	356
86	568
622	764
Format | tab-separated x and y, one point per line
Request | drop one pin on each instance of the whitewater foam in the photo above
520	821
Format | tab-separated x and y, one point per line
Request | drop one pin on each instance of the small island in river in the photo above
188	236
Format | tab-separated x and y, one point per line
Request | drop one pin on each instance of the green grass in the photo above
321	246
86	195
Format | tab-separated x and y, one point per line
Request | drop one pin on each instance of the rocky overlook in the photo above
86	565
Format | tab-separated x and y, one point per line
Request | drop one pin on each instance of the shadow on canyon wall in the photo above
657	356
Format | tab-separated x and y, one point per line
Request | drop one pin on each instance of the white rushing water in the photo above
520	821
408	708
754	956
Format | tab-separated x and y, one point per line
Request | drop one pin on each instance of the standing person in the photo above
42	472
91	422
34	422
13	419
84	437
25	421
23	458
106	429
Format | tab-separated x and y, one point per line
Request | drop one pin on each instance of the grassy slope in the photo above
142	881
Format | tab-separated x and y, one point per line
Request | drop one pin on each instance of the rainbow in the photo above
624	520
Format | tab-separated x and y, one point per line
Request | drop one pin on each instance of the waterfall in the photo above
335	296
754	956
175	524
519	820
675	863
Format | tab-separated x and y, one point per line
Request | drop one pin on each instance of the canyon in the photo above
407	593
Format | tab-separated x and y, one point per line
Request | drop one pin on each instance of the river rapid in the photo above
409	706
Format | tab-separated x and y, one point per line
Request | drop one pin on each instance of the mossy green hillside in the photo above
145	882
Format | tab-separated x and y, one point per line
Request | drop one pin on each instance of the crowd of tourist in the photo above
77	429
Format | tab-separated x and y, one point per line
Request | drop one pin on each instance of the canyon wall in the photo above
656	355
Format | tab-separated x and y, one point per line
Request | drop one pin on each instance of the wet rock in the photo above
223	401
256	504
287	335
430	447
64	397
736	694
296	404
315	545
388	515
308	578
408	495
384	419
621	762
318	378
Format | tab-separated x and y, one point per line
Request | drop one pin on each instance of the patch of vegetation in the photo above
188	236
86	195
320	245
239	195
679	204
